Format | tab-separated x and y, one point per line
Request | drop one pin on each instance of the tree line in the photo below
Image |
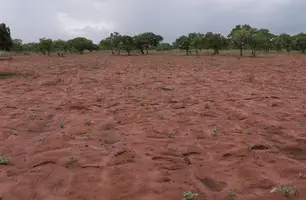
241	37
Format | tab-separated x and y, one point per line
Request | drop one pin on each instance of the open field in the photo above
102	127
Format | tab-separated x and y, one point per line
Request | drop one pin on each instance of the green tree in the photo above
300	42
45	45
6	42
60	45
80	44
183	42
147	40
196	41
286	41
239	36
17	45
215	41
126	43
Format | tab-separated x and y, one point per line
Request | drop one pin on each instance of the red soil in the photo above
142	128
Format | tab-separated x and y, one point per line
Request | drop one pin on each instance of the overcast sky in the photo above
30	20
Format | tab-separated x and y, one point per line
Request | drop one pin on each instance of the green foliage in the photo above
287	191
80	44
163	47
241	37
189	195
4	161
45	45
6	42
17	45
126	43
183	42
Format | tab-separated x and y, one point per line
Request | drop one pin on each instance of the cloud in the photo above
95	19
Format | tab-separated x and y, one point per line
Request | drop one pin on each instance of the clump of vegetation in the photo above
250	147
215	132
4	161
231	196
249	131
189	195
291	190
161	117
287	191
171	134
62	125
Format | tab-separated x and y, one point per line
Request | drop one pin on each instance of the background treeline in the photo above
241	37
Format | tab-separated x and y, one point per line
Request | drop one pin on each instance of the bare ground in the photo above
151	127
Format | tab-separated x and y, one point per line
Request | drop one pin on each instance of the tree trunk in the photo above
147	51
142	52
240	50
253	52
197	52
129	53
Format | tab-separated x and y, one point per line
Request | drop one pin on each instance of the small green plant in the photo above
4	161
250	147
171	134
189	195
41	139
300	125
161	117
287	191
62	125
249	131
216	133
231	196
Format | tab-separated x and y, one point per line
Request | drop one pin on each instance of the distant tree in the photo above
300	42
286	41
17	45
45	45
6	42
80	44
147	40
126	43
164	47
183	42
239	36
196	41
60	45
215	41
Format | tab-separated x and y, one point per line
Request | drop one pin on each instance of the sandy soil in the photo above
151	127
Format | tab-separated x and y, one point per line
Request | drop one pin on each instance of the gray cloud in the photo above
95	19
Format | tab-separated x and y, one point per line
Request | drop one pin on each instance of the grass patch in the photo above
6	75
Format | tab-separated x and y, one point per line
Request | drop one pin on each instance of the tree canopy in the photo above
241	37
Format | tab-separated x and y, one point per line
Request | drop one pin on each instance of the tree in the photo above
300	42
126	43
60	45
17	45
197	41
215	41
286	41
239	36
45	45
184	43
80	44
6	42
147	40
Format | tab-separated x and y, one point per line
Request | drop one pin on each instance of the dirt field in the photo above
102	127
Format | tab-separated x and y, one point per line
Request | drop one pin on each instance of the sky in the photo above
30	20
